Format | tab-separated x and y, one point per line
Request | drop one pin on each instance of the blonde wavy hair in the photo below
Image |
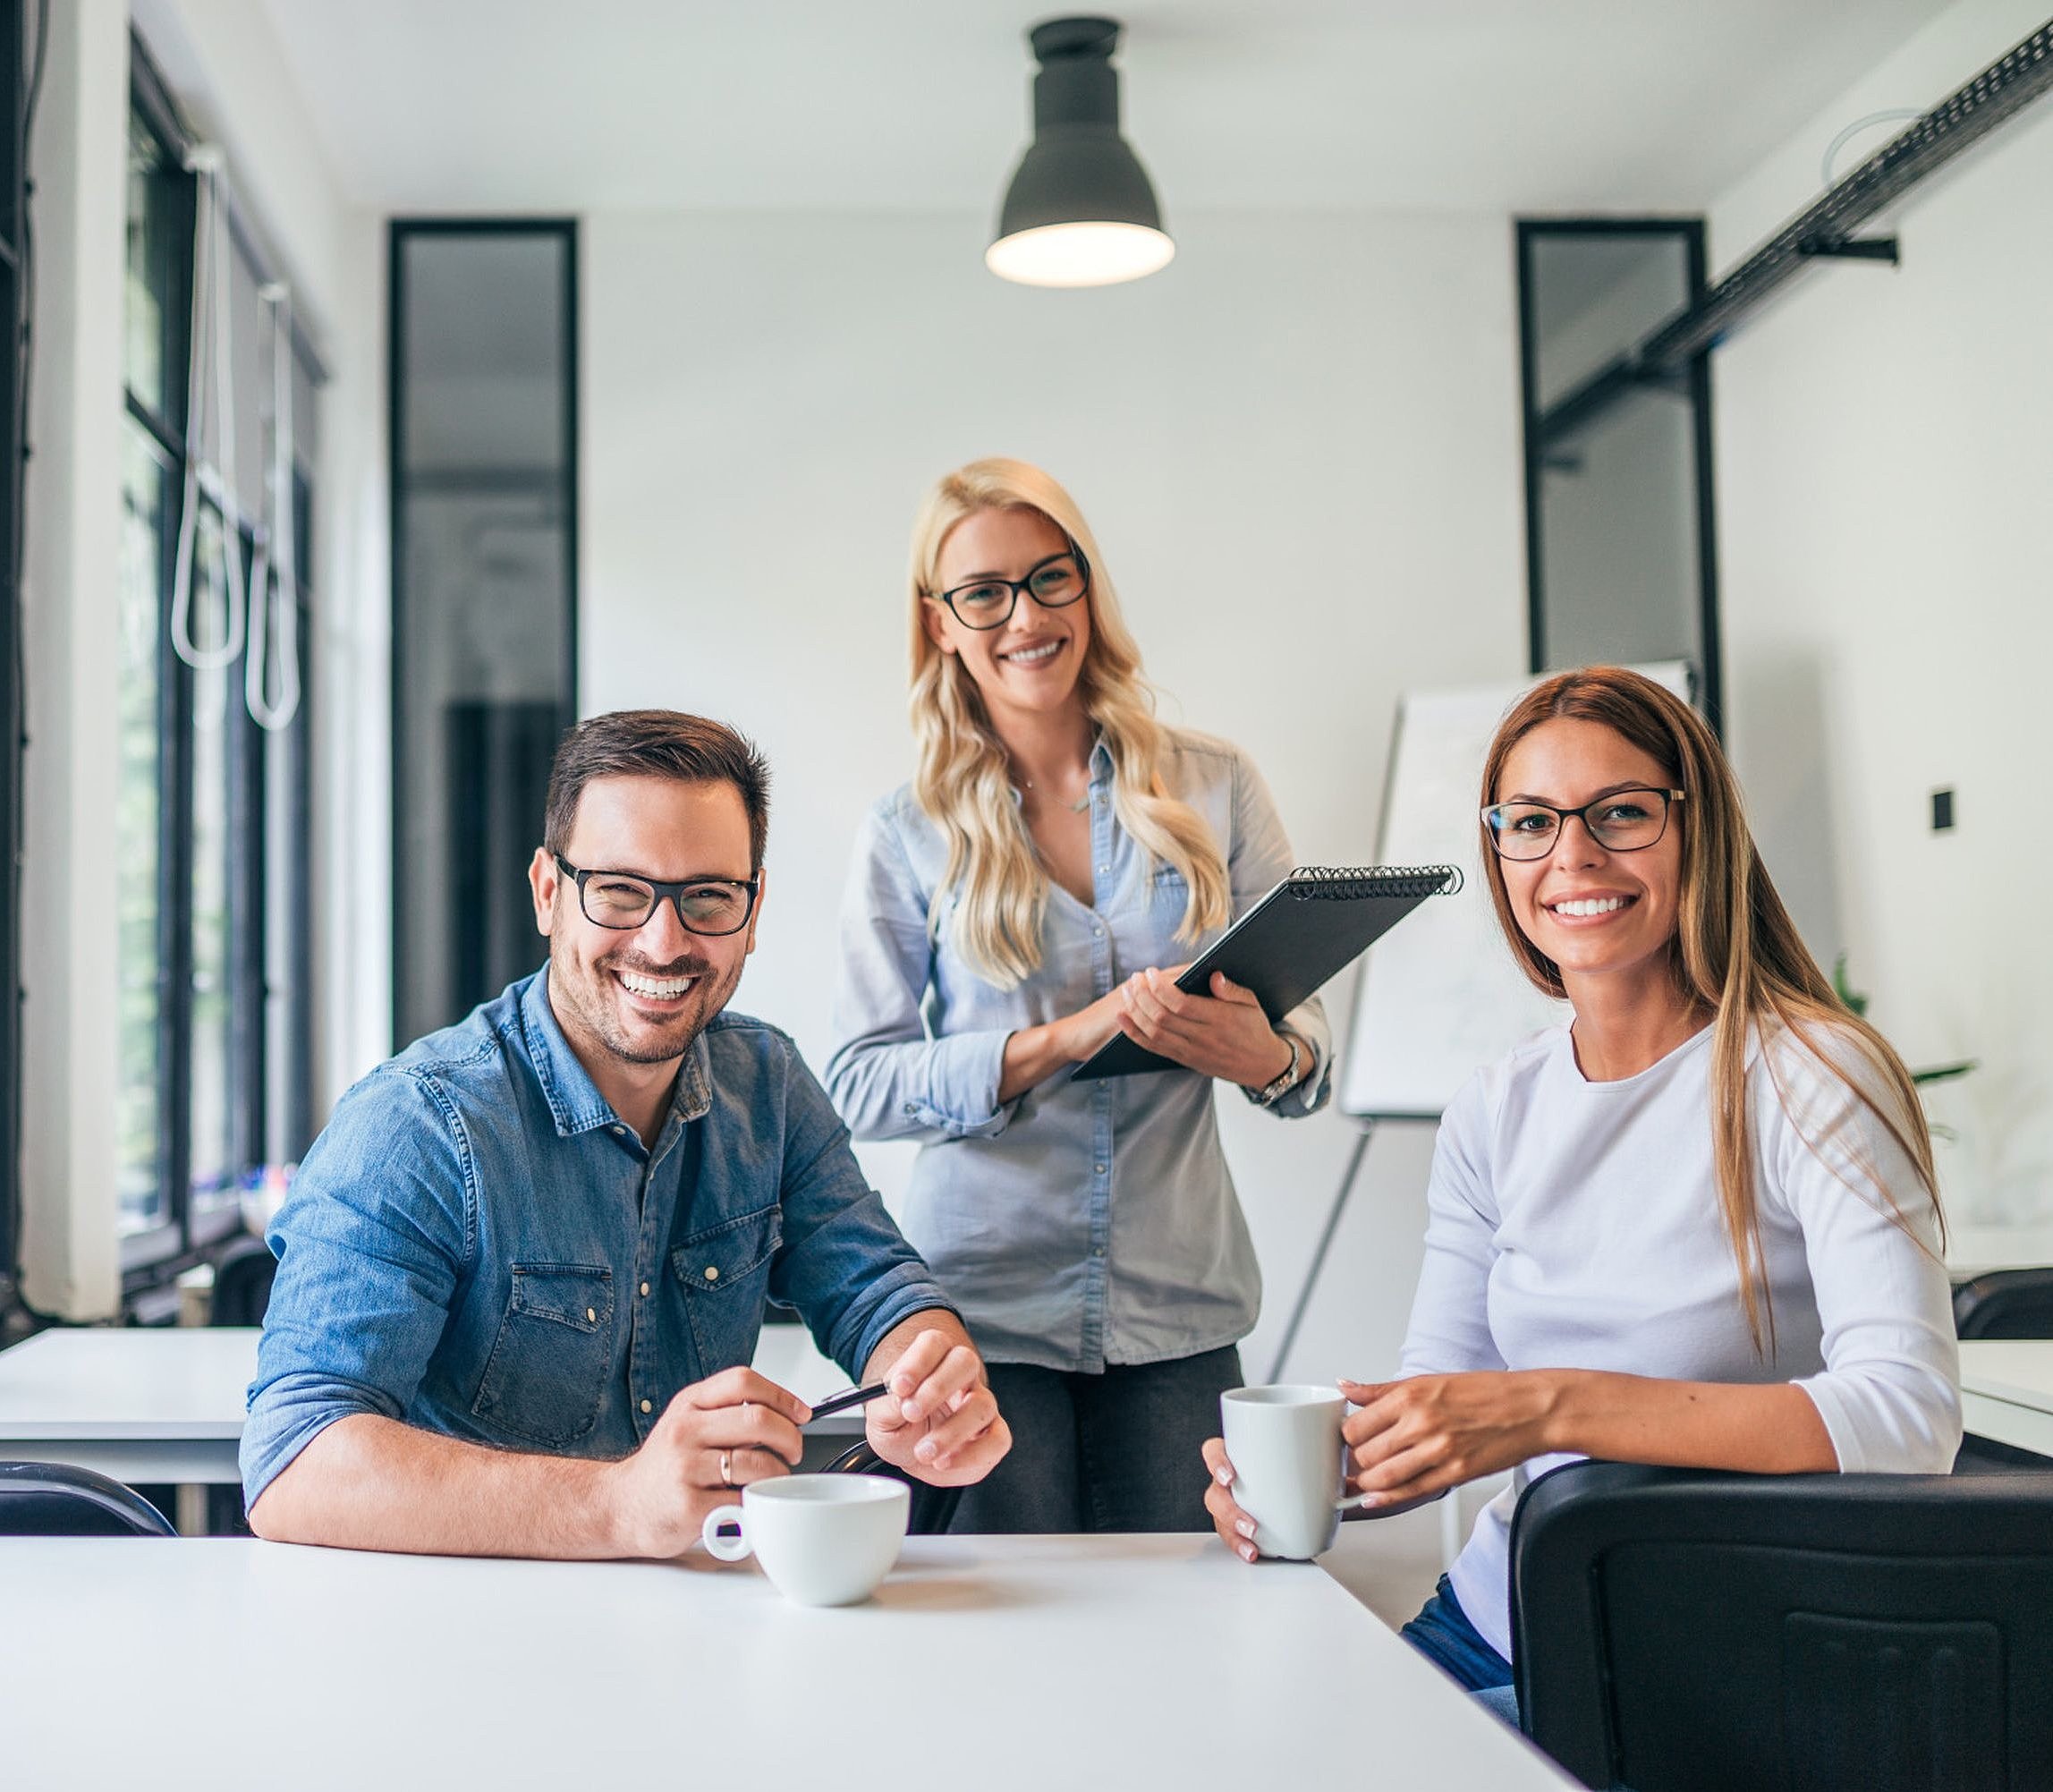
1737	954
963	779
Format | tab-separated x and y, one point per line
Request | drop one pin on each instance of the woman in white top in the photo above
1699	1225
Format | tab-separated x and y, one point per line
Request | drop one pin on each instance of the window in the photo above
211	911
484	534
1621	558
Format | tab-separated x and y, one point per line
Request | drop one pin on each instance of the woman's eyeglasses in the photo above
1624	822
1056	583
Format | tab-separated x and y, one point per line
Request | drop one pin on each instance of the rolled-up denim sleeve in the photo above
370	1243
1261	858
887	1077
843	1263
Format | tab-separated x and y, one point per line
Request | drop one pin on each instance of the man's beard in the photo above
660	1042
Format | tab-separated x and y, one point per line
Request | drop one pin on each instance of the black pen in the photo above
854	1396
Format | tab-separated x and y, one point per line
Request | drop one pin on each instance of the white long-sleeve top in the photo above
1574	1224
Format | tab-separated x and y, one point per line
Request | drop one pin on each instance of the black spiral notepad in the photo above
1313	924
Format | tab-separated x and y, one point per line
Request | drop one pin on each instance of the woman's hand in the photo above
1223	1034
1034	1054
1236	1530
1418	1436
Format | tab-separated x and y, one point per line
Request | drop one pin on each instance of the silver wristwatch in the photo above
1270	1093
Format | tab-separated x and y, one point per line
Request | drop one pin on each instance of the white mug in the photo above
1285	1445
822	1539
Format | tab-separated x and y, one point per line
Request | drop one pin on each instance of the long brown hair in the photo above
1735	952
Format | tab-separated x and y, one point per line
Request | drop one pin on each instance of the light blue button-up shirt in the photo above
1080	1224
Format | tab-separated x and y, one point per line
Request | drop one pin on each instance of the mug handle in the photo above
724	1548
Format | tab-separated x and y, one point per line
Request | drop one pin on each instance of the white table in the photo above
1974	1250
140	1404
165	1404
2006	1391
995	1664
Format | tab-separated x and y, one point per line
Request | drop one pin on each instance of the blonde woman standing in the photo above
1058	854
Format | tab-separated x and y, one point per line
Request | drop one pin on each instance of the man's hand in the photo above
736	1421
939	1421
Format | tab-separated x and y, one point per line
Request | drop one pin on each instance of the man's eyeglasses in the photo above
1055	584
1625	821
622	901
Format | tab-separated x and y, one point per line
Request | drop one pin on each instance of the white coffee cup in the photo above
822	1539
1284	1442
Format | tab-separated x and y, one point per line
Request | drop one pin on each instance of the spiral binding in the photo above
1331	883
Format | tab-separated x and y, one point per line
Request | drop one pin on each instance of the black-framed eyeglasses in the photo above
1624	822
1054	583
622	901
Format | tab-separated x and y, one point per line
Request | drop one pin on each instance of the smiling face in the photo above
1595	913
1031	665
642	996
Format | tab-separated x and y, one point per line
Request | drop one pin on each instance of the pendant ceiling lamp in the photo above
1079	211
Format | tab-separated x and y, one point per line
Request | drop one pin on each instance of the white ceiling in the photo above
542	106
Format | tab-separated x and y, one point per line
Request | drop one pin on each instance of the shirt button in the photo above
1105	871
620	1132
591	1315
645	1291
647	1407
712	1272
1098	1250
1099	1168
910	1108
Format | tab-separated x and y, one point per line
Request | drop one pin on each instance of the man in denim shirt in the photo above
520	1273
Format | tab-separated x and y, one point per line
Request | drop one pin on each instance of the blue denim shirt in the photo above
1083	1223
477	1245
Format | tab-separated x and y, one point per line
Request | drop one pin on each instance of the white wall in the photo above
1298	447
71	603
226	72
1884	444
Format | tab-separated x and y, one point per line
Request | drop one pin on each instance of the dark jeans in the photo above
1443	1635
1118	1451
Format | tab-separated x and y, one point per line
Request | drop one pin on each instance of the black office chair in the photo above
242	1280
51	1499
1680	1631
932	1507
2005	1304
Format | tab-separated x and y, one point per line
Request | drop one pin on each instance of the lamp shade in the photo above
1080	211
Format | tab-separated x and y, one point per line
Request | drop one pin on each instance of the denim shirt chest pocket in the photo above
724	1272
546	1376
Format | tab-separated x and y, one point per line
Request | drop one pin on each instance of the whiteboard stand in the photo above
1325	1244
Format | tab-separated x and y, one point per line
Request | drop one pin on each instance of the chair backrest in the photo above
1680	1631
53	1500
243	1283
2005	1304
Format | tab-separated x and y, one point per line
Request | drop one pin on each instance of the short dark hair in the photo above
655	744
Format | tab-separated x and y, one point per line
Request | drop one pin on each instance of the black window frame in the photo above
18	76
1696	387
149	1255
399	232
